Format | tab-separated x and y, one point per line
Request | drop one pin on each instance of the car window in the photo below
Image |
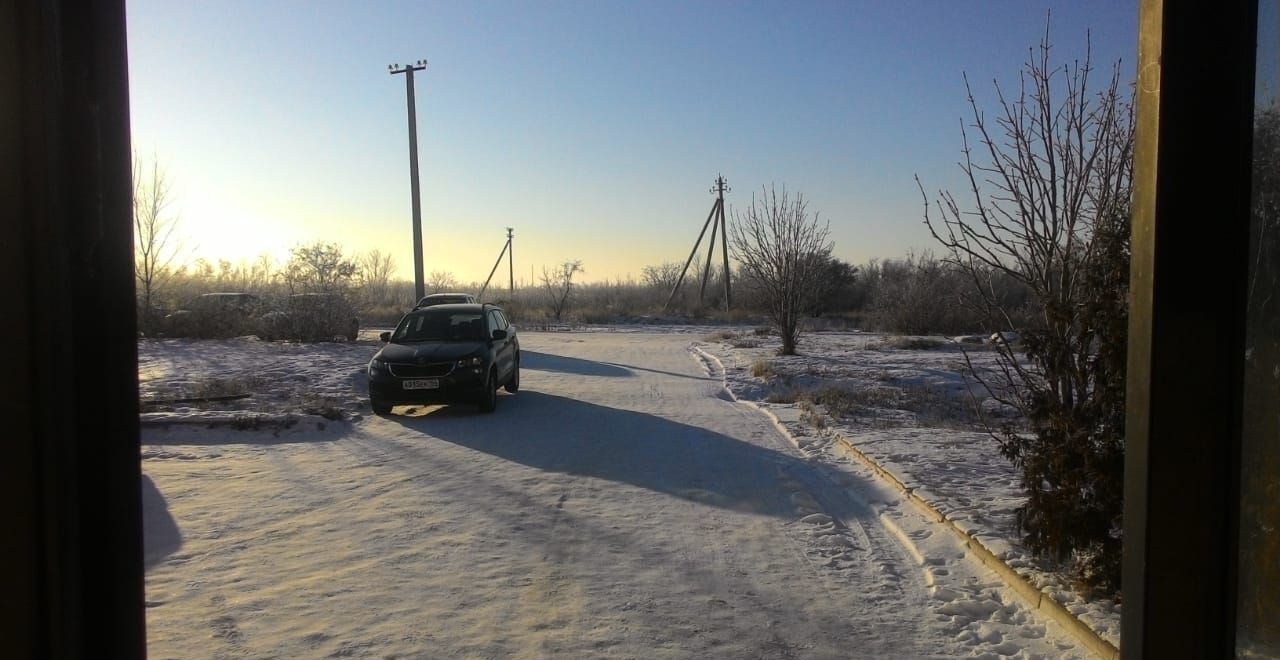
500	320
495	322
440	326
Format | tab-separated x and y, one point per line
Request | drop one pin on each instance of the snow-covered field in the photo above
911	413
621	505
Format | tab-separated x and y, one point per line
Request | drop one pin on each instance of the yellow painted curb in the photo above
1030	593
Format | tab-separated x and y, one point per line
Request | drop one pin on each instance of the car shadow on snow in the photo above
558	434
160	534
547	362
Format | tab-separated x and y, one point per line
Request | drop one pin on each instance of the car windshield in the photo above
440	326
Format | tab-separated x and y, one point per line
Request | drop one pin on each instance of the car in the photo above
215	315
445	299
310	317
449	353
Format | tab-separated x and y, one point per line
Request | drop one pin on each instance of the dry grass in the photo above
762	369
903	343
745	342
721	335
811	415
937	408
932	407
330	408
784	394
218	387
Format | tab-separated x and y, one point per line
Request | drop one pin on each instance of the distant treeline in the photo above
915	294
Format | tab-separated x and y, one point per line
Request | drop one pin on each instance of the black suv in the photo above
446	354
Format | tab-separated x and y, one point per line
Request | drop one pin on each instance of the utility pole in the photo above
716	221
720	189
511	264
511	272
419	282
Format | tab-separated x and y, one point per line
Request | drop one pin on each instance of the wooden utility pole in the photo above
419	282
716	221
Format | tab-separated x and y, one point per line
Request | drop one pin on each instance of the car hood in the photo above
428	352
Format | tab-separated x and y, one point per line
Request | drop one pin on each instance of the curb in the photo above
1031	594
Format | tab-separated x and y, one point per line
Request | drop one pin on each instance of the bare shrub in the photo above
558	284
782	251
1049	210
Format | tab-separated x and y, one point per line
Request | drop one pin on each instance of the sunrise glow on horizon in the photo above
594	129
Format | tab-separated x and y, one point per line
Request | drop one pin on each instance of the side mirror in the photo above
499	334
385	337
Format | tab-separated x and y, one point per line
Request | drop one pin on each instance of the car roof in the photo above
447	295
456	307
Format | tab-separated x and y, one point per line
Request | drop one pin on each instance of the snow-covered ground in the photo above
621	505
909	408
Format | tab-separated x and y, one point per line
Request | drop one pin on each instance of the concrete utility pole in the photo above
510	268
720	188
511	264
419	282
716	221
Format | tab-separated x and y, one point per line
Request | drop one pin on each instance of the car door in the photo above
503	352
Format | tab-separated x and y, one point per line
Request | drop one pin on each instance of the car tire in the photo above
489	396
513	385
380	408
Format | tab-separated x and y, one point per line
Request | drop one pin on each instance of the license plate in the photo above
422	384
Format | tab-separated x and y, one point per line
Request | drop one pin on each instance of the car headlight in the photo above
377	365
471	362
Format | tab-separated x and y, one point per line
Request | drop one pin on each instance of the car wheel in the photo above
489	397
380	408
513	385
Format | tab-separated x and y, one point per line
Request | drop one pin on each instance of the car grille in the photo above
420	370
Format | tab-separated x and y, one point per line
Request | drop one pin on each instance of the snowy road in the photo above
618	506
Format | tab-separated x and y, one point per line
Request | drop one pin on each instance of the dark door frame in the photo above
1191	212
72	550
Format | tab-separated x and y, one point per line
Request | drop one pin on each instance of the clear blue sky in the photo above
593	128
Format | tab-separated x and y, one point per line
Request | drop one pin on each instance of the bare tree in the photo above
319	268
783	251
661	278
558	284
441	281
155	246
261	272
376	268
1049	210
